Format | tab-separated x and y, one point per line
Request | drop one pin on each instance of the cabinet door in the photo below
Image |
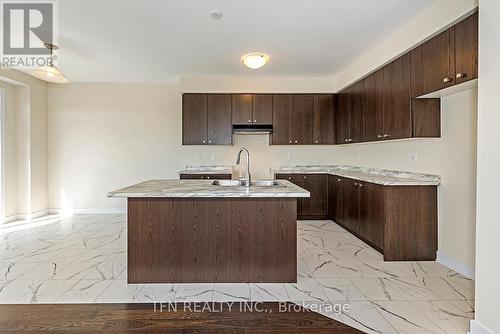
371	217
219	119
373	106
242	108
194	119
396	100
317	204
282	119
356	117
336	198
466	49
302	118
432	65
351	205
324	119
294	178
342	121
262	108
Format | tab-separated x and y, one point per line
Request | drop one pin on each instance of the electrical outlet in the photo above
289	156
414	157
197	156
212	157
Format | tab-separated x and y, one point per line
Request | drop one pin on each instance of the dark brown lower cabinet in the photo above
371	213
336	198
351	206
316	206
398	221
205	176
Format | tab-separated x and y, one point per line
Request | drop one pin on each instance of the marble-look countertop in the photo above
205	188
207	170
372	175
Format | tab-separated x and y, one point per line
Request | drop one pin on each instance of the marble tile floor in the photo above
82	259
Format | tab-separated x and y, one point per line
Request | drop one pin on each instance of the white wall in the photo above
10	145
26	131
488	165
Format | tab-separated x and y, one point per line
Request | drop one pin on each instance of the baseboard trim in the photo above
477	328
455	265
25	216
90	211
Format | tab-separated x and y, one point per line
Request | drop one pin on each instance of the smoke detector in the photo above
216	14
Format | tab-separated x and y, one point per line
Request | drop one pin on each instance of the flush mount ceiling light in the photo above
254	60
49	72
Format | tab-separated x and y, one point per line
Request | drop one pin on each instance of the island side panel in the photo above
223	240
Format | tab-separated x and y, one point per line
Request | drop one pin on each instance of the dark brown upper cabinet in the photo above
466	49
194	119
449	58
350	121
262	108
397	99
302	119
356	112
206	119
252	108
342	133
282	111
324	119
242	108
219	126
292	119
432	65
373	107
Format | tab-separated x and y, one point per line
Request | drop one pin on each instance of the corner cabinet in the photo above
316	206
206	119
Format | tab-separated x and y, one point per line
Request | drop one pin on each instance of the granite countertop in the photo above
372	175
207	170
204	188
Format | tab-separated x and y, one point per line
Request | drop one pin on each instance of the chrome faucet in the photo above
247	178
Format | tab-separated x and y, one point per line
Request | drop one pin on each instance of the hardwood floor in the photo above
142	318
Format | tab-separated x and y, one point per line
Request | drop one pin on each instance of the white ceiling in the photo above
157	40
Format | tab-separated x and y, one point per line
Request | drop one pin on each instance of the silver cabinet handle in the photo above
255	121
346	140
305	177
204	142
380	136
208	177
210	142
339	180
317	141
445	80
249	121
461	75
356	183
290	141
360	185
296	142
386	135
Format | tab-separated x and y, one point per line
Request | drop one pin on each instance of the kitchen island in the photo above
192	231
